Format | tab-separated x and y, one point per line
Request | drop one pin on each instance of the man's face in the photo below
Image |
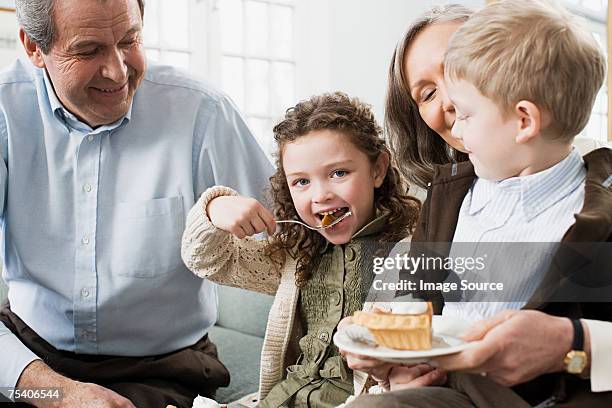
96	61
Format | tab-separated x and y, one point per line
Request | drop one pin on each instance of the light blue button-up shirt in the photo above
92	218
538	208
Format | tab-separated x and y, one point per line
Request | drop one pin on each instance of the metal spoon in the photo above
320	227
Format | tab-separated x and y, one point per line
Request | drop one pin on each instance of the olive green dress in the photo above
320	378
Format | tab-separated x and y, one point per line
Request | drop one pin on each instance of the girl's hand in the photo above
240	216
419	375
378	370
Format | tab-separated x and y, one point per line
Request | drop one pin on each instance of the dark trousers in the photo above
475	391
462	391
149	382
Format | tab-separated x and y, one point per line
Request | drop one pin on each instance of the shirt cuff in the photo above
15	358
601	354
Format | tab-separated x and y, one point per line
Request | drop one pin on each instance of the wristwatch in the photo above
576	360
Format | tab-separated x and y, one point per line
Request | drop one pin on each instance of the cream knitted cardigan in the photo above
219	256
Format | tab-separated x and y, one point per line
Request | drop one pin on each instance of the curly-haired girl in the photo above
331	161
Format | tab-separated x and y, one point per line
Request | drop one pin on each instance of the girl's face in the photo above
326	172
424	68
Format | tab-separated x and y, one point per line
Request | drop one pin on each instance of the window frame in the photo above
215	55
162	47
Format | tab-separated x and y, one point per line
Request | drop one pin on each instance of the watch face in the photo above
575	365
576	362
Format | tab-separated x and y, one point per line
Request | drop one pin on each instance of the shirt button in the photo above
324	336
84	293
87	188
349	254
85	240
90	138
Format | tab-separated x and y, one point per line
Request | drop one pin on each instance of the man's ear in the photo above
34	53
531	121
380	169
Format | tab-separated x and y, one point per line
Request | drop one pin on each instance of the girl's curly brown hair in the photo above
354	119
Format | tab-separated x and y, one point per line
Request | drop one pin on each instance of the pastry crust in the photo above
398	331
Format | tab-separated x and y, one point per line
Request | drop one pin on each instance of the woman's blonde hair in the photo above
535	50
417	147
354	120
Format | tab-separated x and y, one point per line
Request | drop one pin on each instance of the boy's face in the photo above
326	172
489	137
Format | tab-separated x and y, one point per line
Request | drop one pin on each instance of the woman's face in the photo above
424	65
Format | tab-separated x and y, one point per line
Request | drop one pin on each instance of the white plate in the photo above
446	331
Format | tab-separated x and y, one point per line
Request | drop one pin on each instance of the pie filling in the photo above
328	217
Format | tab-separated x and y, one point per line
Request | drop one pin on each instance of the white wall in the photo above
340	44
349	43
9	39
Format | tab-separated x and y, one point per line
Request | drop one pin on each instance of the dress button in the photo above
324	336
84	293
87	188
90	138
349	254
85	241
334	298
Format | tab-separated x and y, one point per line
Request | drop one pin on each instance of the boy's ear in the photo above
380	168
34	53
531	121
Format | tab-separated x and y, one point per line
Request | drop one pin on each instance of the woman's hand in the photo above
240	216
419	375
515	347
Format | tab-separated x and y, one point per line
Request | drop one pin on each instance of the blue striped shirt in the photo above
538	208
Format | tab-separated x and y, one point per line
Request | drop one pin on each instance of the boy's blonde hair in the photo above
533	50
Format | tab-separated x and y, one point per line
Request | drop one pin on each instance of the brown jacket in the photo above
437	224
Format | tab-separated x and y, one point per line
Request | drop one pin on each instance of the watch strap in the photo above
578	342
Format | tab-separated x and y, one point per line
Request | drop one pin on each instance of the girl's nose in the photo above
321	194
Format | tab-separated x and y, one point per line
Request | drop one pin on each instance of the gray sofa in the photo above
238	335
3	291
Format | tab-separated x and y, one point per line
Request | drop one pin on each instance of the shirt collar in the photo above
541	190
70	120
481	194
373	227
537	191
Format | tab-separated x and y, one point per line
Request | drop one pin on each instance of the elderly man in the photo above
101	160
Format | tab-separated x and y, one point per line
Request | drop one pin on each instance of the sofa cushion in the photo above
243	310
3	290
240	353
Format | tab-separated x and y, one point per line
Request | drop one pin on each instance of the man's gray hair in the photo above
36	19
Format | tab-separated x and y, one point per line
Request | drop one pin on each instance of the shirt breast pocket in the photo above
146	237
